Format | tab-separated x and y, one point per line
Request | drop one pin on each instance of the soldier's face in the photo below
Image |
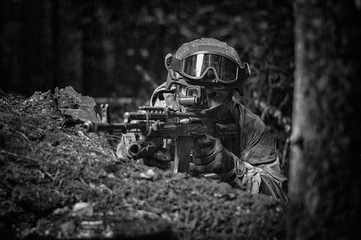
213	96
216	97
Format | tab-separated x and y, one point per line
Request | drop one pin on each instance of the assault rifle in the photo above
163	129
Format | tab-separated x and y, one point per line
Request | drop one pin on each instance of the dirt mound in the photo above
58	181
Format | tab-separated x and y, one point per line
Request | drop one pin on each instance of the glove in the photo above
209	156
159	159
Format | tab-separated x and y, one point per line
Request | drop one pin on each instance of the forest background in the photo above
116	49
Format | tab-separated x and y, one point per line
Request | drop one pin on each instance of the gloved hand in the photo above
159	159
209	156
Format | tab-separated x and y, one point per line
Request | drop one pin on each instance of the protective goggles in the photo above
196	67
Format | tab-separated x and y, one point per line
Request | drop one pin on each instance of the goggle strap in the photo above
245	72
176	64
167	60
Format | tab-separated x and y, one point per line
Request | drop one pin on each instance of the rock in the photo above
73	104
40	96
83	209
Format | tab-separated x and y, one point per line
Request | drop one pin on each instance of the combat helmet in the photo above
207	62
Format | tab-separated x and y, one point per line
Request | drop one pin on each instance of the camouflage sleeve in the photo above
258	170
257	165
123	145
159	98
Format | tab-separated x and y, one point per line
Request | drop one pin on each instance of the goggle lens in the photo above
198	65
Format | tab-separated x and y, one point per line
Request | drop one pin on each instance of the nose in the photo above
209	76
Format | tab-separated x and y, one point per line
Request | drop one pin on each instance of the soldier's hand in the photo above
209	156
159	159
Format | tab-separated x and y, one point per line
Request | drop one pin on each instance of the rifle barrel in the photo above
104	127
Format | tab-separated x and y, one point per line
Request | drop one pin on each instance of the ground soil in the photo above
58	181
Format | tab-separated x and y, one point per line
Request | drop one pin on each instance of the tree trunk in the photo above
55	42
325	167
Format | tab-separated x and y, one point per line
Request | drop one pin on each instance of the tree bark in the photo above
325	166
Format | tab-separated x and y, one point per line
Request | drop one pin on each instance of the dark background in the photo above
109	48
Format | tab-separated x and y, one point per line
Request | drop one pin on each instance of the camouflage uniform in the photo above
251	156
254	149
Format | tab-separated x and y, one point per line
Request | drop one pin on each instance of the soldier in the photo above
248	161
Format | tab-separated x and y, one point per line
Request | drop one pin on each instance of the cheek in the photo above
217	98
212	103
222	97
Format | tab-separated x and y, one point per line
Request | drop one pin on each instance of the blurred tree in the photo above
106	46
325	185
